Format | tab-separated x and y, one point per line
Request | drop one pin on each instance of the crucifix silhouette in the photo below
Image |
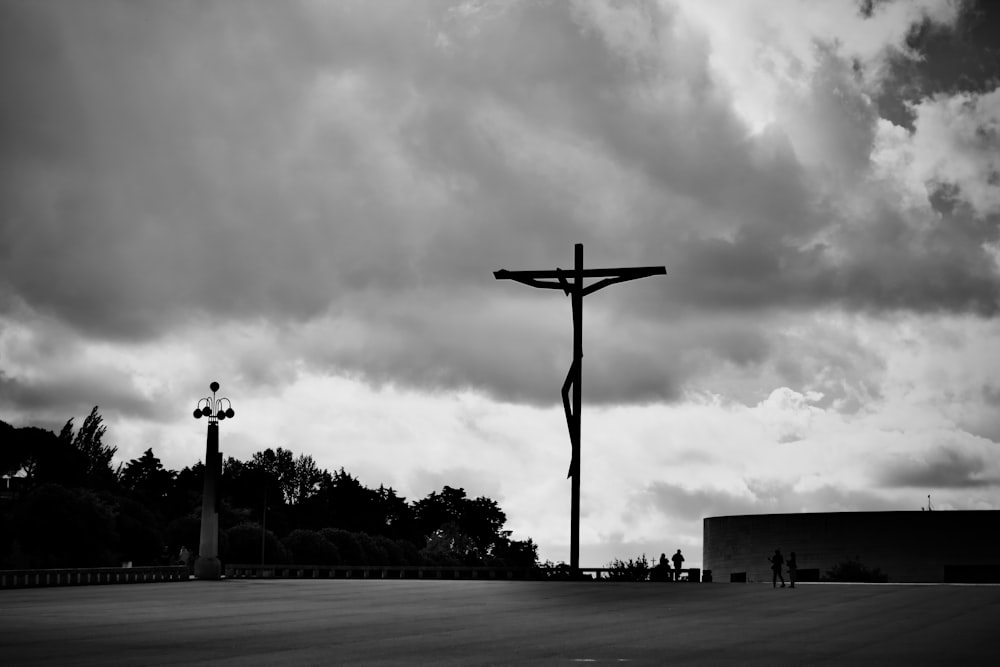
571	282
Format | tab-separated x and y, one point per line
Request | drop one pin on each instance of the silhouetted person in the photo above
777	560
792	567
184	556
678	561
662	569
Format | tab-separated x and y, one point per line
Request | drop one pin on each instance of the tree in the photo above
448	545
43	458
516	553
89	442
139	538
305	480
11	454
474	527
396	516
344	502
146	479
279	465
59	527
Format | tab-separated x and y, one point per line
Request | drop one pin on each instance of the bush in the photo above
347	545
557	571
442	558
855	571
373	552
392	550
631	570
241	544
411	554
308	547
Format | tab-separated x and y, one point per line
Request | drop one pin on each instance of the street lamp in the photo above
207	566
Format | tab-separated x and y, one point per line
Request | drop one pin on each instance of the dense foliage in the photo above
855	571
638	569
64	504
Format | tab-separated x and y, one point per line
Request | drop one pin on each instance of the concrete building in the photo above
928	546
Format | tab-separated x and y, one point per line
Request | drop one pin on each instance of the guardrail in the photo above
92	575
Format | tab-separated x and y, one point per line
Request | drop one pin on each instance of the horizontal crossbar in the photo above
632	272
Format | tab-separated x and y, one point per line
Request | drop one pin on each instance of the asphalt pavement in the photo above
354	622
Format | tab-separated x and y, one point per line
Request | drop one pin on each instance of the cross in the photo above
571	283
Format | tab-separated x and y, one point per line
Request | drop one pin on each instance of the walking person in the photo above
678	559
792	568
777	560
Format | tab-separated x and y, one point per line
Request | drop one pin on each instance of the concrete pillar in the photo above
207	566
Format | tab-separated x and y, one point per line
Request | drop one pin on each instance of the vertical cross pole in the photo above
574	435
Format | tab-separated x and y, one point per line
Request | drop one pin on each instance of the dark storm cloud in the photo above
946	467
74	394
49	373
964	57
369	166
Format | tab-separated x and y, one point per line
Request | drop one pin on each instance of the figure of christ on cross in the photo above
572	284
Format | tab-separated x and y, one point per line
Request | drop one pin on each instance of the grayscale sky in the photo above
305	201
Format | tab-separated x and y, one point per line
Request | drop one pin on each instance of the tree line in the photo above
65	504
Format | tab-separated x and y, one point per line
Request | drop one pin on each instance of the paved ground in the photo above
281	622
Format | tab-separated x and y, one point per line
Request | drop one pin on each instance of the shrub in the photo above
855	571
392	550
347	545
374	554
411	554
630	570
443	558
558	571
241	544
308	547
516	553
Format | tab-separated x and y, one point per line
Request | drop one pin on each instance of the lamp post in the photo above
207	566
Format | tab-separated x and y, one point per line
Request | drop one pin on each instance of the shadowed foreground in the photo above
472	622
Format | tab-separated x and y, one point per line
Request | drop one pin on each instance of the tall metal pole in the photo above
576	290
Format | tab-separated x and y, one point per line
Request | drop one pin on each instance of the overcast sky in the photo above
306	201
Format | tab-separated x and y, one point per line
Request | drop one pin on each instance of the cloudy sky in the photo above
306	201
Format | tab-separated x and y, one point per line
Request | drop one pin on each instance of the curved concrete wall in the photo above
907	546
